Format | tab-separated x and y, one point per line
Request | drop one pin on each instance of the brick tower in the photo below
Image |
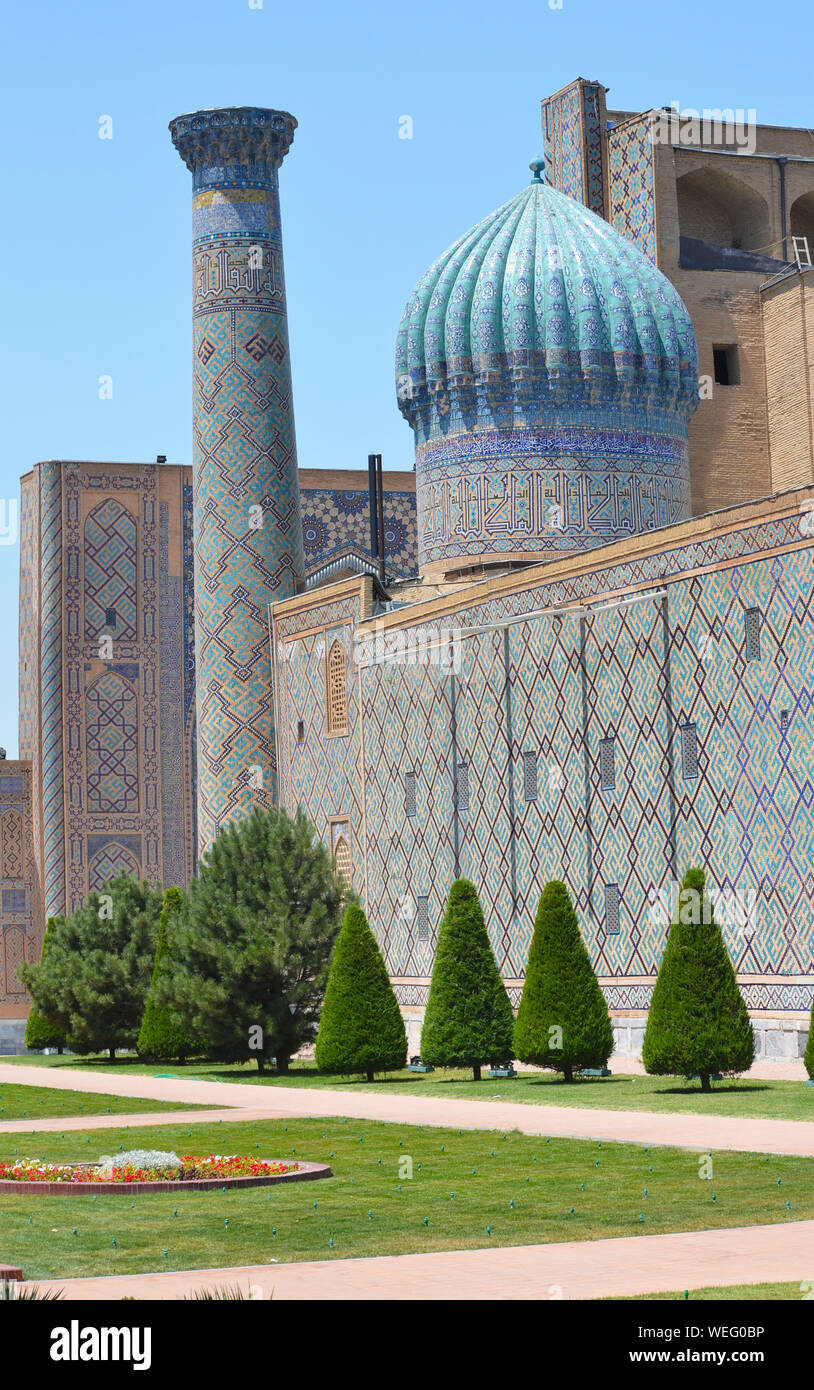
248	533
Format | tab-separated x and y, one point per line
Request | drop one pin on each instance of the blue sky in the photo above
97	232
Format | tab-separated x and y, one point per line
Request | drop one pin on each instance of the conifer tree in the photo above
469	1018
39	1032
563	1020
360	1028
698	1021
93	981
162	1038
251	960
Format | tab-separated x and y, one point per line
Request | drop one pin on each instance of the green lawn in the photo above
779	1100
364	1211
762	1293
41	1102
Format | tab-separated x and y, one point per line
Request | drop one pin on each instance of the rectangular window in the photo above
423	919
689	752
463	787
726	365
110	617
607	763
612	909
14	900
784	720
300	730
752	621
409	794
529	776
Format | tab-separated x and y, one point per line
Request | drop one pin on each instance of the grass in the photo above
362	1209
41	1102
763	1293
758	1099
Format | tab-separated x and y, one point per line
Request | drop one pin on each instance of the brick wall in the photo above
788	336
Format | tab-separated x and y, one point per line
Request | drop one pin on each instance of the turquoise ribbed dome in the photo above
544	282
549	372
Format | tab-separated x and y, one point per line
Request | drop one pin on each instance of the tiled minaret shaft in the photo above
248	534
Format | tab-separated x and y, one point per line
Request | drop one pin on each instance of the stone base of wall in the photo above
776	1039
12	1036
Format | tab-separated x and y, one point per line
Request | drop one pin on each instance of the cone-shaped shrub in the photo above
39	1032
162	1037
360	1028
809	1057
698	1022
469	1018
563	1020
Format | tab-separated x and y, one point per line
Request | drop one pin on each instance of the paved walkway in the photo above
571	1270
250	1102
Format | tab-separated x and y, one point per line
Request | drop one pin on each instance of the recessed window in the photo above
752	625
423	919
726	365
409	794
300	731
110	617
463	787
689	752
336	682
607	763
784	720
612	909
529	776
14	900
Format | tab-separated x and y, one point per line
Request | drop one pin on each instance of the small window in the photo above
784	720
689	752
607	763
409	794
110	617
726	365
344	866
300	731
752	622
529	776
14	900
463	787
336	683
423	919
612	909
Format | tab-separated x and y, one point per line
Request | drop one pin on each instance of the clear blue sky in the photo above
97	256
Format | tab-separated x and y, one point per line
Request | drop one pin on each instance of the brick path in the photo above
571	1270
248	1102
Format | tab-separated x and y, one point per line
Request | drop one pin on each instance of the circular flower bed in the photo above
153	1170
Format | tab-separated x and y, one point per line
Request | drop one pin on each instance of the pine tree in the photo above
251	960
94	979
162	1037
809	1054
360	1028
698	1021
469	1018
39	1031
563	1020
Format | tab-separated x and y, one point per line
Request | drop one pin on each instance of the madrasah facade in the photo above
575	643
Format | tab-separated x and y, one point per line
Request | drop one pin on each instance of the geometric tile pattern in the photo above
559	688
335	522
109	861
52	782
631	184
111	731
19	890
110	570
573	130
248	548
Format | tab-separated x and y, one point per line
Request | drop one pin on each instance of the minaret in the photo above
248	534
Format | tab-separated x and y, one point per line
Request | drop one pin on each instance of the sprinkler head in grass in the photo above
779	1182
331	1154
353	1180
491	1153
527	1177
398	1189
644	1194
443	1148
419	1167
488	1230
226	1223
596	1163
315	1206
650	1169
571	1211
30	1220
274	1231
378	1160
582	1187
331	1243
474	1171
74	1231
788	1205
641	1217
452	1196
370	1216
511	1203
175	1211
426	1221
715	1196
113	1242
166	1254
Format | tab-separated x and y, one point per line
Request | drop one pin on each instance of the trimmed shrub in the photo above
162	1037
469	1018
563	1020
698	1021
361	1028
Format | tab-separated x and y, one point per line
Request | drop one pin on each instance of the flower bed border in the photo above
305	1172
